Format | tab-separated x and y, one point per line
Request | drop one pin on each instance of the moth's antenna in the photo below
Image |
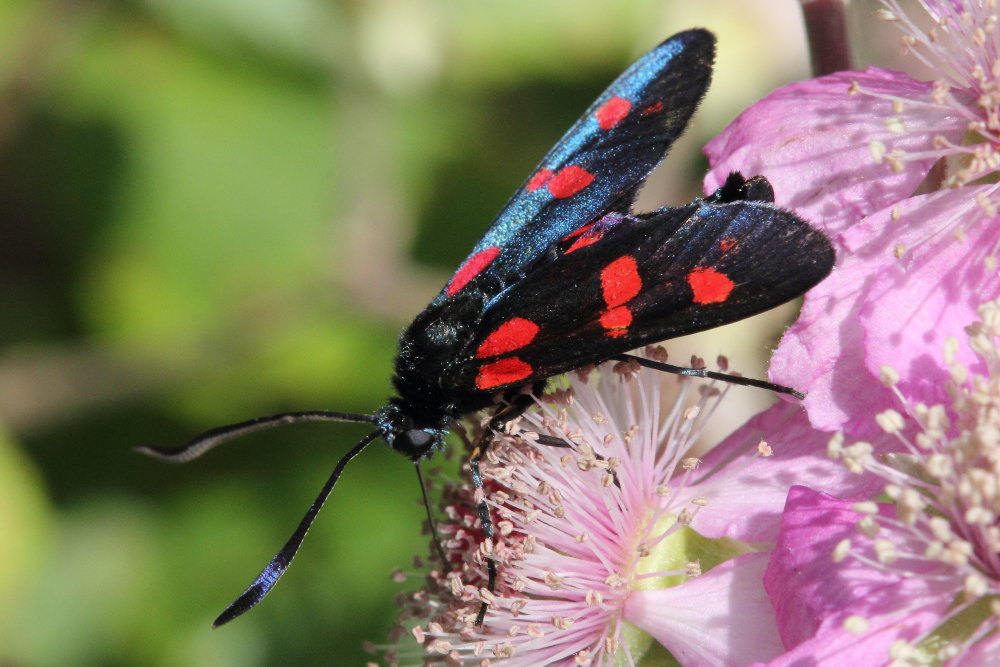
217	436
269	576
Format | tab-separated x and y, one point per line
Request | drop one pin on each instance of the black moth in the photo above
568	276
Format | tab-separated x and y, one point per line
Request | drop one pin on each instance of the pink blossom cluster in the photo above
860	526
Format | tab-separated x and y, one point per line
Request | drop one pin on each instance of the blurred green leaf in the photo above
27	518
227	169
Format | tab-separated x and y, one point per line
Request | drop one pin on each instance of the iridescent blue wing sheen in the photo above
598	165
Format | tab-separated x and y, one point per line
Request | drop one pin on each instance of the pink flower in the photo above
917	581
621	546
896	171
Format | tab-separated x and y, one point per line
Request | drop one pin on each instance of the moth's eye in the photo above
416	443
419	438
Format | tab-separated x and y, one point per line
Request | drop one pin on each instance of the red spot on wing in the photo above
505	371
585	240
568	181
512	335
578	231
540	178
616	321
709	286
620	281
471	268
727	244
612	112
655	107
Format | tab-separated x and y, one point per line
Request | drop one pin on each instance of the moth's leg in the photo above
712	375
552	441
514	409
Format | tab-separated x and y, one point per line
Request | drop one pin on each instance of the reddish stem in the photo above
826	29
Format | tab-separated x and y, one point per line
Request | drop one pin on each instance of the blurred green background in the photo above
216	209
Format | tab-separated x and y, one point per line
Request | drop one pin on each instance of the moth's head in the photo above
404	435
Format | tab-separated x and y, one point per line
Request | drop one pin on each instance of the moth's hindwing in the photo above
630	281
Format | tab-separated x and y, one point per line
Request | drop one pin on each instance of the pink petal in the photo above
722	617
812	141
840	647
822	354
914	305
746	496
813	595
983	652
875	309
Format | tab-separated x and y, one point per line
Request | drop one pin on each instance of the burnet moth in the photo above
568	275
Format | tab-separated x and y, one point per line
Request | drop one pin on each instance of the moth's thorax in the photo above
433	354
